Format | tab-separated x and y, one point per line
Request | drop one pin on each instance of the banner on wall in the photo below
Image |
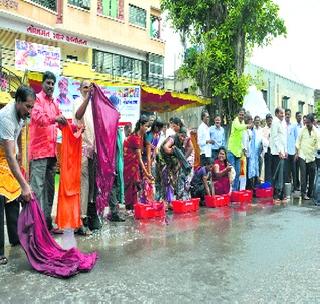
37	57
126	99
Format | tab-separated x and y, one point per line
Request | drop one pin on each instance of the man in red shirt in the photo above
45	118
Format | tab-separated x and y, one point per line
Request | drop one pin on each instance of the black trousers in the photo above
93	189
278	194
267	166
297	173
114	198
308	173
12	210
290	171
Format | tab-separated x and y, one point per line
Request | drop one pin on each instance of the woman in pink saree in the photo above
220	173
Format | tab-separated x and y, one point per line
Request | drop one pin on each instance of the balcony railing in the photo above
50	4
85	4
7	60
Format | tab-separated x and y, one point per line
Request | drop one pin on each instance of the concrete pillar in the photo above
60	11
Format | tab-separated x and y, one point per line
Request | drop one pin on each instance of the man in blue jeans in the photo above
235	145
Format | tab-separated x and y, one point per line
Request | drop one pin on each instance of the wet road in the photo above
265	254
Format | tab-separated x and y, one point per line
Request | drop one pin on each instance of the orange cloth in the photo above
9	186
68	211
243	166
194	140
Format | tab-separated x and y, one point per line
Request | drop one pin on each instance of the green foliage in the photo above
222	32
258	80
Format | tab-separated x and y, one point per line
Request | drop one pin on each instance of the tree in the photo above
222	33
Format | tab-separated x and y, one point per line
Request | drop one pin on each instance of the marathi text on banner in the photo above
37	57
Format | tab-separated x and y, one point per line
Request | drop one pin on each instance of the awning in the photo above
156	100
5	98
152	99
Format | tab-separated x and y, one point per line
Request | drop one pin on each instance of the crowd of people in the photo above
155	161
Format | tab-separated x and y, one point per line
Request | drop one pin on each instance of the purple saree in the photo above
43	253
105	117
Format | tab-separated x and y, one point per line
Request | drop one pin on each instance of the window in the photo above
285	103
310	108
155	27
137	16
71	57
265	96
119	66
109	8
50	4
155	77
301	104
85	4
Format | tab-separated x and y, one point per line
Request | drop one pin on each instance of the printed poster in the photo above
126	99
37	57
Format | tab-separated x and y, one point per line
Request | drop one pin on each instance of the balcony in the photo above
84	4
127	70
49	4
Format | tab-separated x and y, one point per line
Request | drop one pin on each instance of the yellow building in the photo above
108	40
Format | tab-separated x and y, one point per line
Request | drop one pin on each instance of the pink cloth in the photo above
43	129
43	253
106	118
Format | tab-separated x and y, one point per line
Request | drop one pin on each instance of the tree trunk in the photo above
239	51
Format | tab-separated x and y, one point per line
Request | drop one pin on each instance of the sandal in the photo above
3	260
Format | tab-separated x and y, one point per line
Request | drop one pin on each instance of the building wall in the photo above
108	34
31	11
277	87
191	116
114	31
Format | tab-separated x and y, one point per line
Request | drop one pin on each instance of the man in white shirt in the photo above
82	112
267	157
217	135
298	128
204	140
278	147
292	134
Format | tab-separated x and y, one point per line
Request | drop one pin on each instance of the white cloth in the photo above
170	132
265	132
203	137
161	139
246	141
258	136
88	138
278	137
